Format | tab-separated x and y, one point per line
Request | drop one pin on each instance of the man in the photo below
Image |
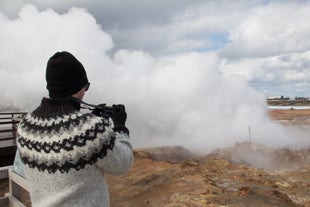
65	151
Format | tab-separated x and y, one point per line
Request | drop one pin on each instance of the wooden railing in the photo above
8	128
18	195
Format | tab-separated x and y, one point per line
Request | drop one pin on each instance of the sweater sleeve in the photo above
120	159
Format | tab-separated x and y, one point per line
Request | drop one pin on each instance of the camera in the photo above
116	111
104	111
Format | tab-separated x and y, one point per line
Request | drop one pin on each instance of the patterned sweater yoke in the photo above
58	137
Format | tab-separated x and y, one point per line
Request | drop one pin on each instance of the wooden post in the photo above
250	136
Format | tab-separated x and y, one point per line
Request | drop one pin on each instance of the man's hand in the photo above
119	115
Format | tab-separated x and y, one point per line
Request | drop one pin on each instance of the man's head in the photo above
65	76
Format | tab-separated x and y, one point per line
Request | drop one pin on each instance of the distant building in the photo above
285	101
273	97
270	98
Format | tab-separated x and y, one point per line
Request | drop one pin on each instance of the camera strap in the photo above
84	105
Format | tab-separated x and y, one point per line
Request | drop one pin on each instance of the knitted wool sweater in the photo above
66	152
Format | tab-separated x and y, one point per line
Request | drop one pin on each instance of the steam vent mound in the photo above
243	175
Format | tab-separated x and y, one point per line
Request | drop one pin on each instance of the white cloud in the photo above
28	41
281	71
270	30
169	24
178	99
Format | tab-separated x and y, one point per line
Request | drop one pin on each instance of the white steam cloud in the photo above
171	100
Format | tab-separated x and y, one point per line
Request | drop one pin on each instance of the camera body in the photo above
104	111
116	112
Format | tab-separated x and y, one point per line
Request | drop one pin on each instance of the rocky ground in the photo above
175	177
210	181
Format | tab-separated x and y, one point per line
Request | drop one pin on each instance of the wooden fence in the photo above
18	195
8	127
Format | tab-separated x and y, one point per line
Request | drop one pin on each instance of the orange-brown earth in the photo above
246	175
210	181
243	175
291	116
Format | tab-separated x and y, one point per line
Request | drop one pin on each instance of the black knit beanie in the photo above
65	75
